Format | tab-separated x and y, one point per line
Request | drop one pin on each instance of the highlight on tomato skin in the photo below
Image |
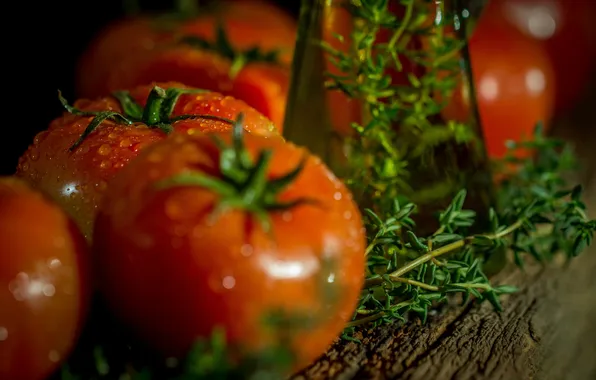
200	256
136	51
514	84
565	30
77	178
44	283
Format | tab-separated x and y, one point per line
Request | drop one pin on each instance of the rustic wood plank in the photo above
547	331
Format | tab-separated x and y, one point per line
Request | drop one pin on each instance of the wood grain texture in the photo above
547	331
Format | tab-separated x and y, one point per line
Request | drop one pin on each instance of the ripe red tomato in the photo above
177	262
77	179
43	283
513	81
565	30
136	51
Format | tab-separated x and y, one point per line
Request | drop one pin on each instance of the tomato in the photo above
135	52
565	30
177	261
43	283
76	179
513	81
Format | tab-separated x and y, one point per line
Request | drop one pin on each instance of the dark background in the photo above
41	41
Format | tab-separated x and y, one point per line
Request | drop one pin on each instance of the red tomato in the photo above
43	283
565	29
77	179
177	262
513	82
136	51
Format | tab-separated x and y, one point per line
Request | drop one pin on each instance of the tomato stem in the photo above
243	184
157	112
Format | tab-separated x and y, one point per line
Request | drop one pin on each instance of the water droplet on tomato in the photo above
82	149
287	216
25	166
175	209
34	154
48	290
3	334
125	143
105	164
54	356
347	214
112	136
227	101
40	137
104	150
337	196
228	282
101	185
214	109
246	250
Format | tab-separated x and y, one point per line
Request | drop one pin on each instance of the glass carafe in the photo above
382	92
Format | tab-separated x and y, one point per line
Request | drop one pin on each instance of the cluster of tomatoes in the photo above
531	61
156	200
182	208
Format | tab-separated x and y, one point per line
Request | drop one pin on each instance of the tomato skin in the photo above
513	81
133	52
77	180
44	284
565	30
161	257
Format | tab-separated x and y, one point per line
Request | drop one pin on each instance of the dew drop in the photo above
105	164
112	136
34	154
337	196
246	250
347	214
49	290
54	356
287	216
228	282
54	263
3	334
25	166
104	150
83	149
174	209
101	185
125	143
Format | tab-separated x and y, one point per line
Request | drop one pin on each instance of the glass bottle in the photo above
399	121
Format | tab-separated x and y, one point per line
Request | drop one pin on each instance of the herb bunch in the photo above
384	159
536	215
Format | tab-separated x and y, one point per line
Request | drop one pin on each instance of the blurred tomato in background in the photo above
566	30
514	81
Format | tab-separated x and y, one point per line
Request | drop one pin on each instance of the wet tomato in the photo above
43	282
513	81
565	30
192	236
251	63
76	178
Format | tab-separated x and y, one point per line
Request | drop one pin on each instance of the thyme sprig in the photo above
537	215
382	153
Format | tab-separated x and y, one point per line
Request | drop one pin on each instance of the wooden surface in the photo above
547	331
